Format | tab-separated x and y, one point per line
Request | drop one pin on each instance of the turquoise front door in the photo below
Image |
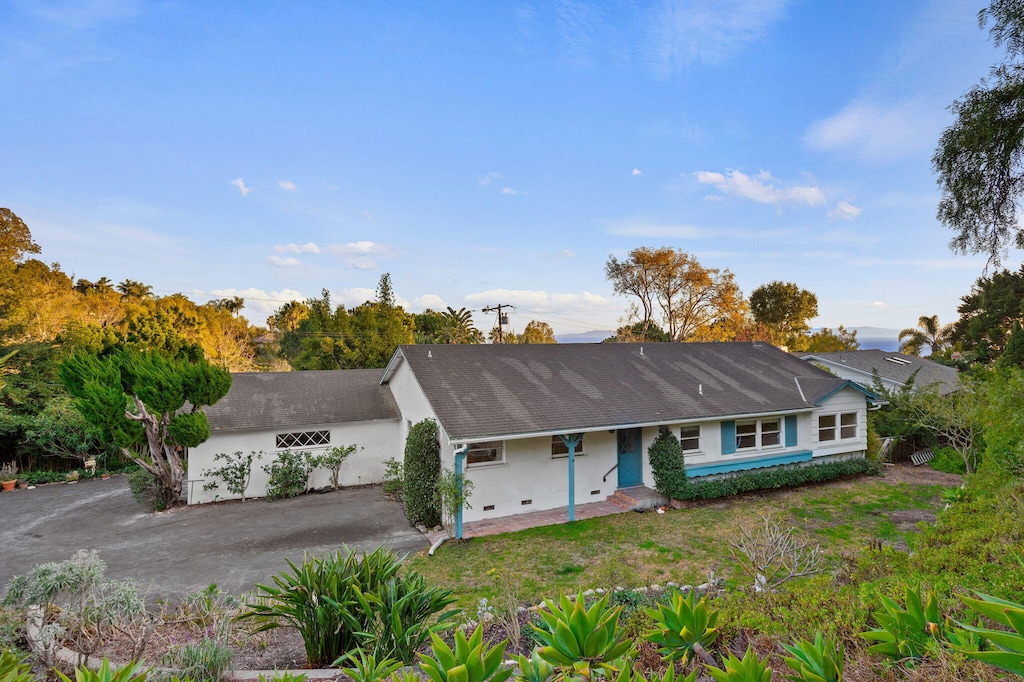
630	468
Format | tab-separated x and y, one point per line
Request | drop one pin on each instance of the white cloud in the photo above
432	301
357	255
636	172
359	248
484	180
259	302
687	31
845	211
240	184
368	215
287	185
534	300
761	188
566	253
308	247
284	262
880	305
877	133
508	190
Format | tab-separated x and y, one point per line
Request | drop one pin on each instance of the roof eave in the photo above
462	440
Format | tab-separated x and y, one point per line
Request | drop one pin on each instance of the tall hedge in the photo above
666	456
776	477
421	470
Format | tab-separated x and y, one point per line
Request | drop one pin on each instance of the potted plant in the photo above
22	483
9	475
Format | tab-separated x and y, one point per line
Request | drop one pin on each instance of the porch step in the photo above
638	497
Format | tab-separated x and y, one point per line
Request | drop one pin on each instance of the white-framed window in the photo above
689	438
837	426
486	452
755	434
302	439
559	450
848	425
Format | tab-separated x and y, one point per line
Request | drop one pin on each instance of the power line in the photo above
502	318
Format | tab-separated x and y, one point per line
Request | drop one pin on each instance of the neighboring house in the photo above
893	369
545	426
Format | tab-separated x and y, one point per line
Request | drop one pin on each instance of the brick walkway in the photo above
509	524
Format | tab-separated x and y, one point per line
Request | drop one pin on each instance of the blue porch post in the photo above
460	457
571	441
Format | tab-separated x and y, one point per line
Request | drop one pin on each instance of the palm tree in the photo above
132	289
457	327
928	333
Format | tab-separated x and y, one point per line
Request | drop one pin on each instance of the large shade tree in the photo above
784	309
690	298
980	157
147	404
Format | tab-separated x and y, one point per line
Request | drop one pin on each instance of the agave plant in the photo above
364	667
579	639
533	669
818	661
684	628
127	673
906	632
14	668
750	668
1009	646
470	661
628	674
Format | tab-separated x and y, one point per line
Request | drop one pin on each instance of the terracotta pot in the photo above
8	485
23	486
105	476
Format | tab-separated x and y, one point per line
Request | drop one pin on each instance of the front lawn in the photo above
681	546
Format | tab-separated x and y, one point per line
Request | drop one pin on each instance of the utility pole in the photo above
502	318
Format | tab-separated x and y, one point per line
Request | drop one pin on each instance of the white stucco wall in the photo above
530	473
379	440
413	404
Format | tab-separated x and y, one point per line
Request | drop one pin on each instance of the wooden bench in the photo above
922	457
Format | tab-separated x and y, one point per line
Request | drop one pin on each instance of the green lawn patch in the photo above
680	546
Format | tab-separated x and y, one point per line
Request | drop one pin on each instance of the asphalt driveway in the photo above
170	554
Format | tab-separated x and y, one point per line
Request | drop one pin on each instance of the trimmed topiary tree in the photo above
149	405
666	456
421	470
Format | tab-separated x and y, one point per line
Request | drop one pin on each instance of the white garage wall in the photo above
379	440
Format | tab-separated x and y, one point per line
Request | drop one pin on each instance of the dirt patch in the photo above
922	475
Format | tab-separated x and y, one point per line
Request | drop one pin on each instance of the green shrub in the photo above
289	474
207	660
780	477
333	458
393	476
666	456
145	490
581	640
234	473
341	602
422	468
948	460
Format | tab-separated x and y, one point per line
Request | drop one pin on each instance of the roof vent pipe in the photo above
430	354
700	389
641	350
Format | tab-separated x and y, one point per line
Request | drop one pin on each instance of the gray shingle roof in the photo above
500	390
929	373
259	400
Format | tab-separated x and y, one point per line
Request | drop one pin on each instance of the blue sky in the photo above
490	152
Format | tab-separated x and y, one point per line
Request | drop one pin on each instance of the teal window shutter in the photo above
728	437
790	430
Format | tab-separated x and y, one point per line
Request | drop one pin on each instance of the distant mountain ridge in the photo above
881	338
